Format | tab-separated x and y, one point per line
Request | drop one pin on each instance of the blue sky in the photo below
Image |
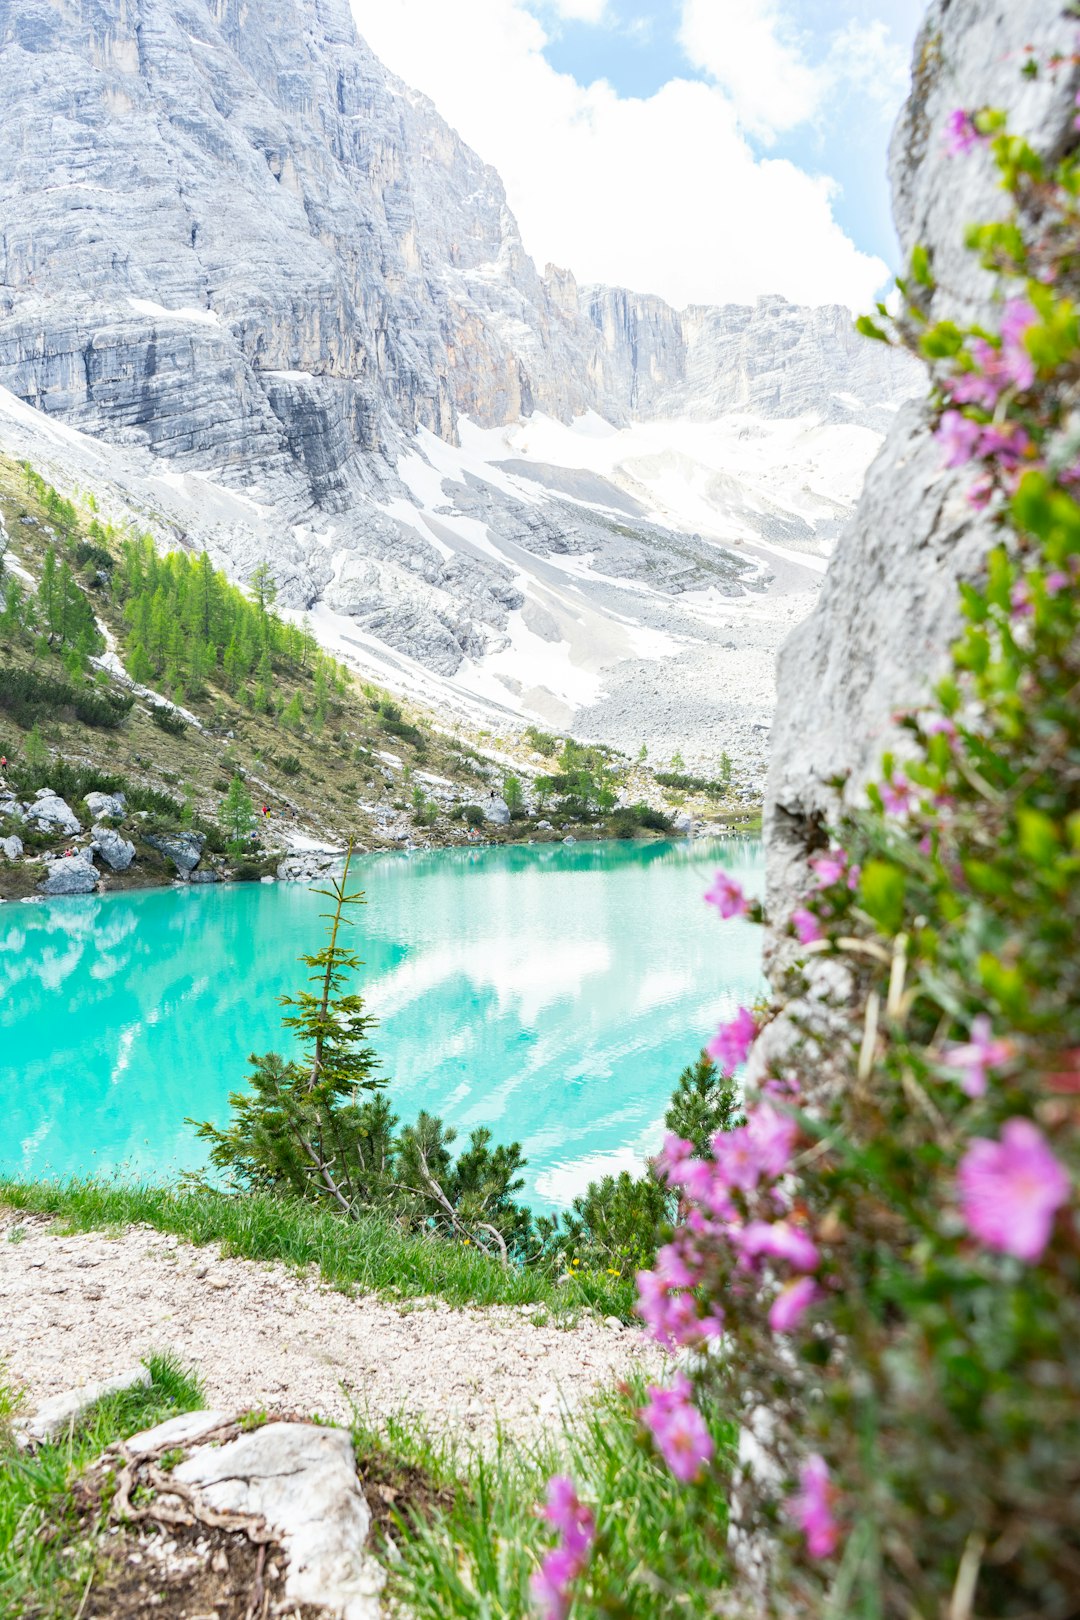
635	46
709	151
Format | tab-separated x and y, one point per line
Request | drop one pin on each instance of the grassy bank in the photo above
369	1256
470	1552
47	1551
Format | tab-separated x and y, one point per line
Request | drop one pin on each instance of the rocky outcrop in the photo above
497	811
106	806
889	608
49	813
116	852
11	848
71	874
183	849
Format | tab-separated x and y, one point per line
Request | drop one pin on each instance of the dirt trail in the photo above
75	1308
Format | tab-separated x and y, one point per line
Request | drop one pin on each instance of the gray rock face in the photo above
888	611
11	848
104	806
51	814
183	849
73	874
316	269
116	852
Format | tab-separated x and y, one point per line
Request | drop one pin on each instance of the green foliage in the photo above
46	1557
237	815
167	719
27	693
662	1547
704	1101
474	816
717	787
542	741
633	818
512	793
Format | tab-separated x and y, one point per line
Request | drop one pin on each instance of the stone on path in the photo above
54	1415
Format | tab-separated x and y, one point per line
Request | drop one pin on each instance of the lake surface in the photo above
552	993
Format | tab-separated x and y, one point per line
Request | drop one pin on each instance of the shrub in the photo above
632	818
289	765
542	741
168	720
474	815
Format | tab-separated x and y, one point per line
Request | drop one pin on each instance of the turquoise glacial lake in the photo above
552	993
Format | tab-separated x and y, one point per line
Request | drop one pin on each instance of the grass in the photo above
369	1256
39	1519
470	1554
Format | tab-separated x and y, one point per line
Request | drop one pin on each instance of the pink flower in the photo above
773	1136
959	134
674	1154
678	1429
551	1585
792	1303
971	1059
939	725
732	1042
727	896
959	437
777	1240
980	493
1008	443
1015	360
896	795
1020	604
1055	582
830	868
807	927
1011	1190
811	1508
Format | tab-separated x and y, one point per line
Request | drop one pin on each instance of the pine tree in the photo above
237	814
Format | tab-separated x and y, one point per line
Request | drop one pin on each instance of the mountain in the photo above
297	310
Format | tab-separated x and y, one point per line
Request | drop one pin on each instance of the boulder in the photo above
106	806
303	866
207	876
116	852
497	811
183	849
302	1481
11	848
73	874
544	826
683	823
50	814
55	1415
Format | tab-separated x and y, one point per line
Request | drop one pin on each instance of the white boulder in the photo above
50	814
72	874
116	852
106	806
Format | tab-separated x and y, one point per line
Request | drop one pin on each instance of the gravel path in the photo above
75	1308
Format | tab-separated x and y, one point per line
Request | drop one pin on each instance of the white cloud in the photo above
749	48
866	56
662	194
590	11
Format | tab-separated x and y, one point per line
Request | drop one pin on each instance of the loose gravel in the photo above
74	1308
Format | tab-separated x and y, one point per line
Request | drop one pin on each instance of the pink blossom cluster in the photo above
1011	1190
731	1200
678	1428
552	1585
971	1060
731	1044
811	1508
833	867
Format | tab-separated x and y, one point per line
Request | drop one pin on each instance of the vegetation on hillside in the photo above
886	1252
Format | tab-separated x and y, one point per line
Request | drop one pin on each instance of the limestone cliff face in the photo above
888	612
239	252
